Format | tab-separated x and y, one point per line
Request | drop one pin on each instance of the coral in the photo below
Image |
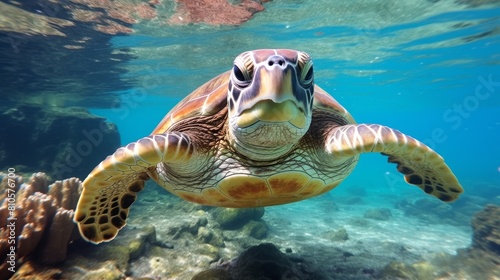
84	261
52	250
36	222
63	193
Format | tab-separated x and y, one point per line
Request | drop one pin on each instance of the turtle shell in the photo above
206	100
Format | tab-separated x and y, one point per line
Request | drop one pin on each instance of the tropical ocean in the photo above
427	68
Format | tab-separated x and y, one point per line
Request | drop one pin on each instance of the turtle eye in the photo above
307	73
306	68
238	74
242	70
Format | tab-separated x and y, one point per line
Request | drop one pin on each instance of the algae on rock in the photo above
232	218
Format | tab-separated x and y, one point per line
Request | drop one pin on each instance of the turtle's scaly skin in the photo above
262	134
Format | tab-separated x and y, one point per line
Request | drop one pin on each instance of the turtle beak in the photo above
275	84
271	112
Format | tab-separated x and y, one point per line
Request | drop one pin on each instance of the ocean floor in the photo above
350	233
304	224
338	236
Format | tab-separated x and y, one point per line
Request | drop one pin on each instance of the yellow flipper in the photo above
110	189
420	165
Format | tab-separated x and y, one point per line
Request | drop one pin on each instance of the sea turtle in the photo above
260	134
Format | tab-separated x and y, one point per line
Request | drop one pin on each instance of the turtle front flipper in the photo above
110	189
420	165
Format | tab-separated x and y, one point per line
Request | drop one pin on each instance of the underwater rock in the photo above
213	274
255	229
42	40
215	12
164	245
264	261
108	260
137	246
129	246
336	235
212	252
381	214
32	271
37	222
424	270
191	227
434	211
106	271
415	271
233	218
399	270
210	236
486	237
62	142
481	260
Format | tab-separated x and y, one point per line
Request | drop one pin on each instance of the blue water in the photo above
442	89
430	69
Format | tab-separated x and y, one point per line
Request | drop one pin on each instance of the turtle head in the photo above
270	99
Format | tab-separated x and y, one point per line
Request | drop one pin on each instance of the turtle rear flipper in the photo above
420	165
110	189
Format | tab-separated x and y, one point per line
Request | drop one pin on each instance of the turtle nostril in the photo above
276	60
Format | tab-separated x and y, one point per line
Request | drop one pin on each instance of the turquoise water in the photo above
427	68
435	78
